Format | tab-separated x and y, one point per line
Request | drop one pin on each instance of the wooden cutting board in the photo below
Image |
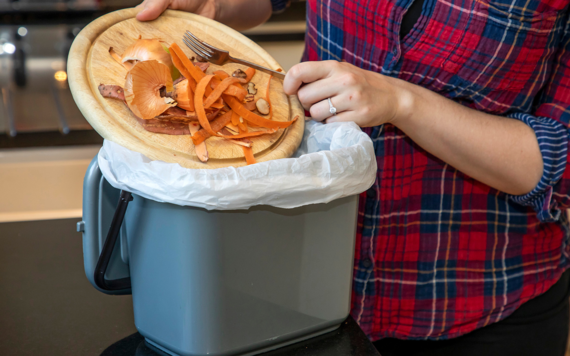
90	64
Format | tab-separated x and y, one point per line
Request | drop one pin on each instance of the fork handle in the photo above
274	73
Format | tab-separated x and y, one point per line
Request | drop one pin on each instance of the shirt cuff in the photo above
279	6
553	143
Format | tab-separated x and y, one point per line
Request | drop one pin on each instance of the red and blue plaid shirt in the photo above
439	254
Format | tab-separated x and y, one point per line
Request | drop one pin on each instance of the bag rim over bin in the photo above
333	161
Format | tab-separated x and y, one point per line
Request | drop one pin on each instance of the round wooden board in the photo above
90	64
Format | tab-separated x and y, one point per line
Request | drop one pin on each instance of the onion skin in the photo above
142	89
150	49
129	96
183	95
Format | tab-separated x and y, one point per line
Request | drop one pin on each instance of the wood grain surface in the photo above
90	64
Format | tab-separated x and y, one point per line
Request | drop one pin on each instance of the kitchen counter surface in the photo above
347	340
49	308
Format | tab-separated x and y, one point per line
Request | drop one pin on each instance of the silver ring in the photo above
332	109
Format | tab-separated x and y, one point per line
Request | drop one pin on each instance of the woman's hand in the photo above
500	152
239	14
365	97
151	9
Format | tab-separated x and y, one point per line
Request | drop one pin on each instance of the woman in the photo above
462	241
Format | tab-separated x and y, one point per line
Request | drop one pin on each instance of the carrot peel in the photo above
201	113
249	157
254	118
216	125
247	151
235	118
249	72
220	88
186	63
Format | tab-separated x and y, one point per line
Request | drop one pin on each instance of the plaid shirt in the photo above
439	254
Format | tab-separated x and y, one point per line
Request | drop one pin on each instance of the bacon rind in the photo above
112	91
202	65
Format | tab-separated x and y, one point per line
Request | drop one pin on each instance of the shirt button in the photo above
371	193
366	263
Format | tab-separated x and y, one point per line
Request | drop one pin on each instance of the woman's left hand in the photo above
500	152
365	97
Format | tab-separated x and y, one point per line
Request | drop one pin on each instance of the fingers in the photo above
321	110
307	72
344	116
317	91
151	9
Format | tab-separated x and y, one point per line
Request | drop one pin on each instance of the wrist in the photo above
221	10
242	14
406	101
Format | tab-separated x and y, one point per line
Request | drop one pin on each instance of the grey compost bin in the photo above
236	282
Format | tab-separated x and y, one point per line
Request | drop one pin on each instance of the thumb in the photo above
151	9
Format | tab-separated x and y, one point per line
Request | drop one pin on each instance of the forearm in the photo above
239	14
243	14
500	152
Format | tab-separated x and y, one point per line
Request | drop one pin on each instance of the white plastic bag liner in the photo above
334	161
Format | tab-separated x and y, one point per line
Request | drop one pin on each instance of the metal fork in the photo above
219	56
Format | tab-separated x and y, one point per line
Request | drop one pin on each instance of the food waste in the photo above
168	93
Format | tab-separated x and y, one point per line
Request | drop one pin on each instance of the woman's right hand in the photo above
151	9
239	14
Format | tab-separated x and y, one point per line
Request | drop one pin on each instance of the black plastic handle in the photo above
109	245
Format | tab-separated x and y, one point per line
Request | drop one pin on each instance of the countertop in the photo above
49	308
47	305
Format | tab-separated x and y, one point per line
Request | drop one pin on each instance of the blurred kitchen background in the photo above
47	305
45	143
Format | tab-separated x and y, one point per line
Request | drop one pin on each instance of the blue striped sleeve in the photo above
553	142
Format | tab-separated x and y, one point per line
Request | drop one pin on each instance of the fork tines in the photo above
199	47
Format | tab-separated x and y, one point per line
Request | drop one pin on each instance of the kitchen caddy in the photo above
233	282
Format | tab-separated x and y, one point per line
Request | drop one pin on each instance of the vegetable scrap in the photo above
201	150
169	93
262	106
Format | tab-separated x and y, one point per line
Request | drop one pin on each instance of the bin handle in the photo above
109	245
